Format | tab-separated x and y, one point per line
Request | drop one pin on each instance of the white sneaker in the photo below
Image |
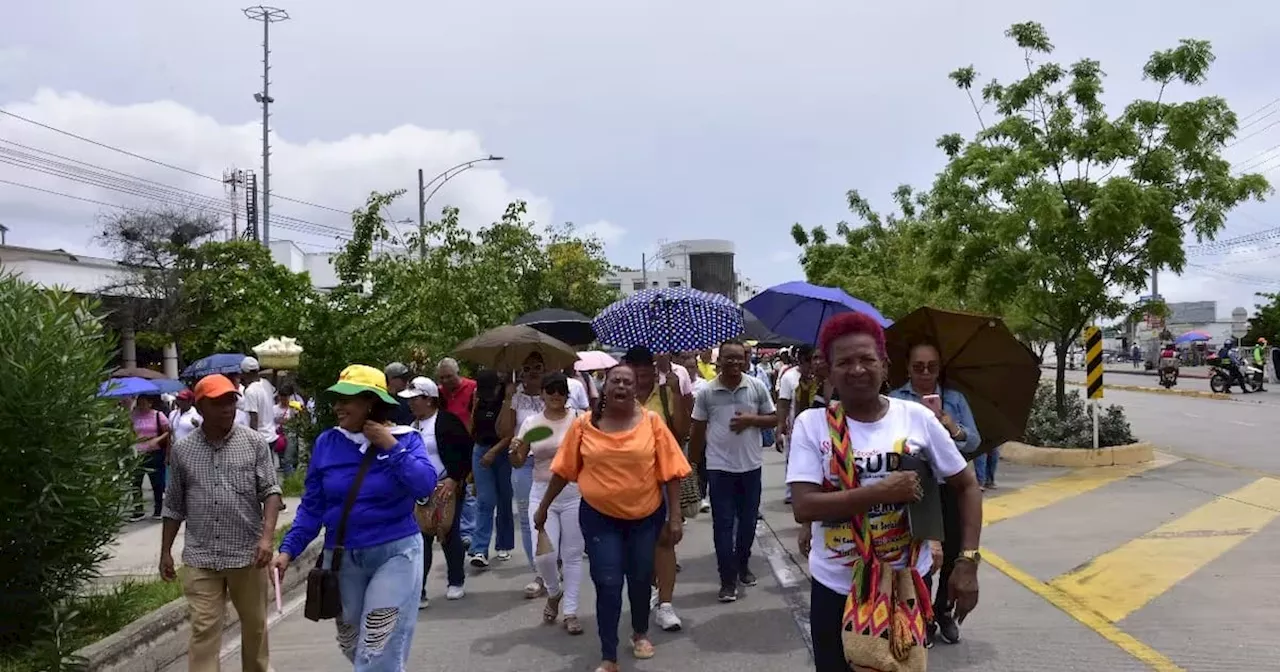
454	593
504	555
706	505
479	561
424	601
653	599
667	618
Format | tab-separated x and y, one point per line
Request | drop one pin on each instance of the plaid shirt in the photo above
218	489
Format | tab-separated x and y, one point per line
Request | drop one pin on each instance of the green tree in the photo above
1265	322
67	458
571	273
1059	209
880	260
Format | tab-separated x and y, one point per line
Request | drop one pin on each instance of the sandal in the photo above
642	648
535	589
608	667
552	611
572	624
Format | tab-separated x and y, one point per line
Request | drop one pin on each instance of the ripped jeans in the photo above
380	587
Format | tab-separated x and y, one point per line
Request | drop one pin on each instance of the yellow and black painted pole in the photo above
1093	361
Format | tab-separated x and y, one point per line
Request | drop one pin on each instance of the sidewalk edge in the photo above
790	576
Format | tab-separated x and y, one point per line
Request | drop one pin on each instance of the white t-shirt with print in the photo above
525	405
810	462
427	430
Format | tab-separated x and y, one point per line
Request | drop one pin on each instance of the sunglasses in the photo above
925	367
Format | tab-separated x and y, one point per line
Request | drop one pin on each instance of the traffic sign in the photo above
1093	361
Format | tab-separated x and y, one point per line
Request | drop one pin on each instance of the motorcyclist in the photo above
1169	362
1230	360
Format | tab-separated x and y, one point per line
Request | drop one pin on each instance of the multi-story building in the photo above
704	264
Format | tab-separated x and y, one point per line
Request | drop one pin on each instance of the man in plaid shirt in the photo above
223	484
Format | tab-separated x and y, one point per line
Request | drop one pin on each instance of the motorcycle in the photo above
1252	376
1168	372
1220	379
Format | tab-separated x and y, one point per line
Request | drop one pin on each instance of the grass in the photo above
294	484
280	532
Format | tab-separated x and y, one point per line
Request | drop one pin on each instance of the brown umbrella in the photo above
506	348
997	373
138	372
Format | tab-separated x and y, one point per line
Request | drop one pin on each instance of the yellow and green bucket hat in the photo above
360	379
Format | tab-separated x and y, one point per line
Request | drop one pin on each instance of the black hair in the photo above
924	342
488	384
638	355
598	409
555	382
803	352
734	341
286	390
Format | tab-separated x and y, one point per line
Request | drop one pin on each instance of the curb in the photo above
790	575
1114	456
156	640
1197	394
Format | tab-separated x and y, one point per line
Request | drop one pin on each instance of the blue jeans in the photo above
468	521
380	587
620	550
521	484
735	501
493	499
985	466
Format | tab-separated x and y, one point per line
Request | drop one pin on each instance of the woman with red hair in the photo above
852	478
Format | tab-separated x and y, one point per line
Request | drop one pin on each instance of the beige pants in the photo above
207	592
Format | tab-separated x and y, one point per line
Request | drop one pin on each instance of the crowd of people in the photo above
600	472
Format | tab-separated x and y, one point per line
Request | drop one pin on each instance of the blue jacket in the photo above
954	403
383	509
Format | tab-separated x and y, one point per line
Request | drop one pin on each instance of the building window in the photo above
615	285
655	283
673	283
637	285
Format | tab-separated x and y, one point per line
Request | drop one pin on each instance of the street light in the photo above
438	181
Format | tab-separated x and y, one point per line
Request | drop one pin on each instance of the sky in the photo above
638	122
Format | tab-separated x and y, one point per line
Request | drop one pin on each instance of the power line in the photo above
154	161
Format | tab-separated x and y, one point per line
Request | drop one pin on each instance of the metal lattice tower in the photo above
268	16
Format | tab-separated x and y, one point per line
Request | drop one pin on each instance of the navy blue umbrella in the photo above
127	387
207	366
798	309
671	319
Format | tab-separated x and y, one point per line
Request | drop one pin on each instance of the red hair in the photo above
848	323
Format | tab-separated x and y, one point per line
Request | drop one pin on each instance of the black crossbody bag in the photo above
324	597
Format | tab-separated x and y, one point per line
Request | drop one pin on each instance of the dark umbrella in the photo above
997	373
670	319
798	309
560	324
207	366
138	372
754	330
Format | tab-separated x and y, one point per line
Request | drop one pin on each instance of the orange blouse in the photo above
620	474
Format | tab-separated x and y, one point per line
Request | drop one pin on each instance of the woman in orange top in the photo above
622	457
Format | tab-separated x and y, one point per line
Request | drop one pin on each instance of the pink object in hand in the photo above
275	578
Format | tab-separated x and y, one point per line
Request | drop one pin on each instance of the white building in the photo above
319	265
704	264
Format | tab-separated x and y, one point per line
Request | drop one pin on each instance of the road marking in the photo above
1242	422
232	647
1121	581
1045	493
790	577
1082	613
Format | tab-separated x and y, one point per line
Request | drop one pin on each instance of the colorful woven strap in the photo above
843	466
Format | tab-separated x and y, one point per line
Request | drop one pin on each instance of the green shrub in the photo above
66	456
1075	430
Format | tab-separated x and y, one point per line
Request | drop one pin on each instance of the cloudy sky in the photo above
638	121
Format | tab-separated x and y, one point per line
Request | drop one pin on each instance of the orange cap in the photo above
212	387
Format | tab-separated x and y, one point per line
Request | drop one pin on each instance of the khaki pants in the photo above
207	592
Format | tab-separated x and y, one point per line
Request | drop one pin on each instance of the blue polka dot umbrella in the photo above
669	319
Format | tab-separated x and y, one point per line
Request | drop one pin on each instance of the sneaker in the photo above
479	561
454	593
424	601
991	485
728	593
157	516
504	556
747	578
666	617
930	635
137	516
706	505
948	630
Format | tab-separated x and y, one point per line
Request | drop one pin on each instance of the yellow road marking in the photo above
1054	490
1090	619
1121	581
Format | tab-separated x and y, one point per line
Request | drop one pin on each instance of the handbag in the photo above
324	597
435	514
883	625
690	498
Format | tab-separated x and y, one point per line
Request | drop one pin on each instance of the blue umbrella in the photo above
1193	336
168	385
669	319
127	387
798	309
207	366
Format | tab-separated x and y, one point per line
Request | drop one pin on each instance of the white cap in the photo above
248	365
421	386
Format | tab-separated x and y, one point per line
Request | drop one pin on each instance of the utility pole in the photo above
268	16
644	270
438	181
422	216
233	179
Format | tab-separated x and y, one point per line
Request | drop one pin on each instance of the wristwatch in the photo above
972	556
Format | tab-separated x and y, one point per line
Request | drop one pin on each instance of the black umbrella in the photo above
564	325
756	331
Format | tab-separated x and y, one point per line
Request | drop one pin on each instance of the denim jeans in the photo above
984	466
620	550
735	501
493	501
454	553
521	485
153	469
380	587
468	520
289	461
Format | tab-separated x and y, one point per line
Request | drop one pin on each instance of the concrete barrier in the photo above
154	641
1040	456
1199	394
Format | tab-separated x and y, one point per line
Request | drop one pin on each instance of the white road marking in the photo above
1241	422
232	647
779	563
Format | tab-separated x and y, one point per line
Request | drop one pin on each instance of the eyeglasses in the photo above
925	367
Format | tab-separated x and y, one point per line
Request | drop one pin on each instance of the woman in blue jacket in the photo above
380	575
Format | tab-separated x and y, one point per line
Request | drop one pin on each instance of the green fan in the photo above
536	434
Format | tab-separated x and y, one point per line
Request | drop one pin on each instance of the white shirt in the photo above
787	385
242	418
578	397
260	398
427	430
906	425
183	423
525	405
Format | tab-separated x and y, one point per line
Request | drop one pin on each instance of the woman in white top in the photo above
522	402
562	516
